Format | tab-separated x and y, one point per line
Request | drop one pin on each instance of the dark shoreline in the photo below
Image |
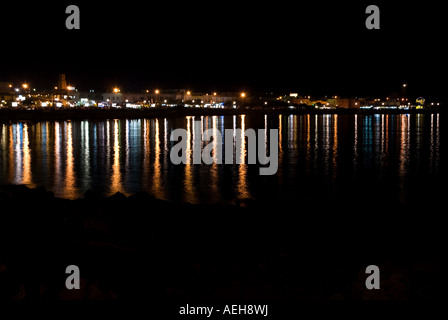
143	249
104	114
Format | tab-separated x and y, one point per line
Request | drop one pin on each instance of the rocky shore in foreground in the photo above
143	249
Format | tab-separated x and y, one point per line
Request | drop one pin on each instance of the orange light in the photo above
116	90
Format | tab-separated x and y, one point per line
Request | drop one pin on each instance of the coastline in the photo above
104	114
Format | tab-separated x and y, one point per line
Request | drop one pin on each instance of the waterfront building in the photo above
344	103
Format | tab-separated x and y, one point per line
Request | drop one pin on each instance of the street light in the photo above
243	94
116	90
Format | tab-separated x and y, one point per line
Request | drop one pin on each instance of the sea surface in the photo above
319	157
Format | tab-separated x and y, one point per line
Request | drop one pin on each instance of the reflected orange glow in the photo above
27	177
156	180
280	146
116	180
404	153
242	187
70	179
326	136
189	188
308	138
57	153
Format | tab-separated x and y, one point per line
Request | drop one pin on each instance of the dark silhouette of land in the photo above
143	249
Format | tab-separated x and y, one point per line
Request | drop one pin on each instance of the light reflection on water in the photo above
315	152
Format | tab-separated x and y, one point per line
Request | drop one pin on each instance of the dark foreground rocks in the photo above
140	248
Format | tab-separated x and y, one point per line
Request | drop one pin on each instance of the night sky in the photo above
317	48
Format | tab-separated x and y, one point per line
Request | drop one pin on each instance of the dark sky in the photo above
310	47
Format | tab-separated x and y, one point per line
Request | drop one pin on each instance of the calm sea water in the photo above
319	155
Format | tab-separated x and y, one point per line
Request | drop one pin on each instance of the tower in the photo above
62	83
